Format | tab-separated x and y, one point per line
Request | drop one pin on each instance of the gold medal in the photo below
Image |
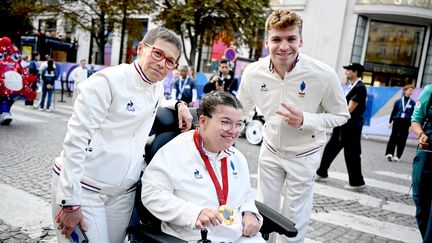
227	214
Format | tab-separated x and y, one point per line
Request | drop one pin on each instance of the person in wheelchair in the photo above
199	180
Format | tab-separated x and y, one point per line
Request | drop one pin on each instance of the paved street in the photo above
382	213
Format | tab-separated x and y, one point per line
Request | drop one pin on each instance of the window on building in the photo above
393	53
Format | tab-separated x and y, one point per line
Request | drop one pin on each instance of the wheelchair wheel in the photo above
254	132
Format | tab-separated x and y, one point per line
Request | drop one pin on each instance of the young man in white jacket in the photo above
300	98
95	175
198	180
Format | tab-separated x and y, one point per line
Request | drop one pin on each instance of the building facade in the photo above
391	38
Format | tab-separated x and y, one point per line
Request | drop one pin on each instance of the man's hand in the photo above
49	86
184	117
390	125
220	86
251	224
215	79
208	217
291	115
67	221
423	141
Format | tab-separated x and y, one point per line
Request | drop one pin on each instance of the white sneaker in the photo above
389	157
48	110
41	109
5	118
320	178
355	188
396	158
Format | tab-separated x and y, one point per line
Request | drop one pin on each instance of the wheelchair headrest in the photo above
165	128
167	120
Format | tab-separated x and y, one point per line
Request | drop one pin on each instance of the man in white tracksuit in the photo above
179	188
300	99
95	175
79	74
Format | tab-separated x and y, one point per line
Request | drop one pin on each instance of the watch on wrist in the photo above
178	103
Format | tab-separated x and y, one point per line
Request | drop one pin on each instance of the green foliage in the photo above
202	21
15	18
99	17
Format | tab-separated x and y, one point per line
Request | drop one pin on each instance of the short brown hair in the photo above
408	86
283	18
215	98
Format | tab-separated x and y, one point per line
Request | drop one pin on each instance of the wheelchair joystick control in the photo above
204	237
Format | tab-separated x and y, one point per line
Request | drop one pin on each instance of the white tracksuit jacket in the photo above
176	187
104	146
322	102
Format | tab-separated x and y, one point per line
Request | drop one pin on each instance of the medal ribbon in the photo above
221	192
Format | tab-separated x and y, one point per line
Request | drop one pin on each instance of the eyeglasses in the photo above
227	125
157	54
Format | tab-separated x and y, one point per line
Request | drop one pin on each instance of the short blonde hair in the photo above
283	18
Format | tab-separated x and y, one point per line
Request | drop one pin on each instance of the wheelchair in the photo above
144	227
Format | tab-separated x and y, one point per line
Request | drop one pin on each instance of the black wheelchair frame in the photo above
144	227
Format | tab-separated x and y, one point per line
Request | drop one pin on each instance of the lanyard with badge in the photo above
222	193
404	107
181	88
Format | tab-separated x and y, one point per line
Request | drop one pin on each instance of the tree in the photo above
201	21
99	17
14	18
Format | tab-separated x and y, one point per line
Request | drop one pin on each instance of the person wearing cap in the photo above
348	136
300	98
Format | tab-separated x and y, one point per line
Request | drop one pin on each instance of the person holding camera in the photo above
224	80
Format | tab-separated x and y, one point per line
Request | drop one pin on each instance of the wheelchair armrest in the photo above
275	222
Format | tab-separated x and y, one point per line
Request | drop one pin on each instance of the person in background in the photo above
421	124
95	176
79	74
184	88
167	83
400	123
49	76
180	190
222	81
24	62
192	72
300	98
348	136
33	69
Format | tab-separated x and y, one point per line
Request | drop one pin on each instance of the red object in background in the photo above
10	62
218	49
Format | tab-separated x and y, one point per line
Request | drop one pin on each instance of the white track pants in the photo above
290	181
106	217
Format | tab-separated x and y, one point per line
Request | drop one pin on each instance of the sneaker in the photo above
396	159
355	188
48	110
389	157
320	178
41	109
6	118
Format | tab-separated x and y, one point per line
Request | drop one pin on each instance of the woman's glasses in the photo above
157	54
